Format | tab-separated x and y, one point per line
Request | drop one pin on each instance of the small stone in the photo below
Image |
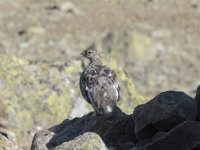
38	30
69	7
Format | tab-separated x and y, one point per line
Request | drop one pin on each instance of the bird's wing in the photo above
88	82
111	78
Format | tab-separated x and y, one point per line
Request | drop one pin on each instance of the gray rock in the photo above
6	144
197	99
87	141
8	133
163	112
185	136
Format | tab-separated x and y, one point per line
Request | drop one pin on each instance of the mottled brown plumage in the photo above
99	85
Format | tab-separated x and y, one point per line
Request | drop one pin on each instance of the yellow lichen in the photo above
29	95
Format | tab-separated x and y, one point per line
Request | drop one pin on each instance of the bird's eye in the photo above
89	52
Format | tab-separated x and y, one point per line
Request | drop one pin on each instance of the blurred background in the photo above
153	45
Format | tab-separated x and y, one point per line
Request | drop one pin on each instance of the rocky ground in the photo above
169	121
152	44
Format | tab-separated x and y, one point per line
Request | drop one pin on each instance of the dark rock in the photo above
185	136
143	142
197	148
136	148
158	135
52	7
163	112
114	133
155	137
197	99
127	146
121	132
21	32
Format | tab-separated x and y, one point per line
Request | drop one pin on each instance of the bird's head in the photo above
91	54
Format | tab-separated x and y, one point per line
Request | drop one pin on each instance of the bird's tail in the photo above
104	102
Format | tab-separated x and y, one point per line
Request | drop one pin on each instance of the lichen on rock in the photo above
34	92
87	141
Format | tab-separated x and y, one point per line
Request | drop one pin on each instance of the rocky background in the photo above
153	45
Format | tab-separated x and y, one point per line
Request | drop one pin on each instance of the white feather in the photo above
105	94
86	88
109	109
89	91
116	92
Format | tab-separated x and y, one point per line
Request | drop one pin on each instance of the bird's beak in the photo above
83	53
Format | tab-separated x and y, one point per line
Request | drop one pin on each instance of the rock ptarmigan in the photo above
99	85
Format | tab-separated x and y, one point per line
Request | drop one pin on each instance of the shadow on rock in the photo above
114	133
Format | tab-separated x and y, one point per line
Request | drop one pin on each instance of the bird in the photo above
99	85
